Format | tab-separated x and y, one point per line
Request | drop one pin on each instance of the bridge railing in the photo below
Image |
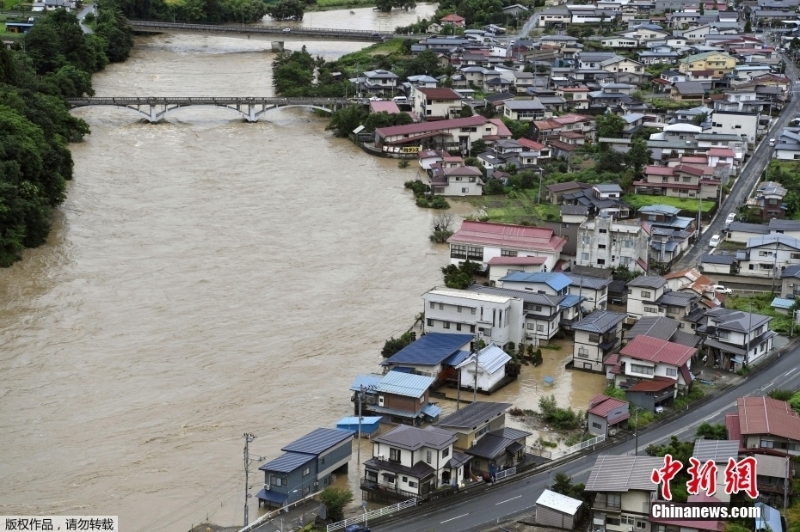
208	100
255	29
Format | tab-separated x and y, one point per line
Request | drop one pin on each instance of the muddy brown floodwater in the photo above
205	278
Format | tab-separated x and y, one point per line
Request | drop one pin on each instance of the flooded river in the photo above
205	278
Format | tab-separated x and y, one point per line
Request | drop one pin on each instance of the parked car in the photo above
356	528
376	99
722	289
730	219
286	29
400	99
714	242
771	142
659	409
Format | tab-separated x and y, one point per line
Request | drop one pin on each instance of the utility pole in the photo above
786	486
248	438
476	351
775	264
358	466
458	393
636	450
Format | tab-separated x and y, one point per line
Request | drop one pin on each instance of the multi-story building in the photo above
621	492
481	241
606	243
768	201
683	181
498	318
437	104
645	358
765	423
768	255
642	295
592	291
720	62
735	339
596	336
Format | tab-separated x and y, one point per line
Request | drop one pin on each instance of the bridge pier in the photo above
277	46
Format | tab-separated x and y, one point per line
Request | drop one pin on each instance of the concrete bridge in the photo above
277	34
251	109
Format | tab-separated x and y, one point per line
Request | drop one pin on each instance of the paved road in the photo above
506	500
746	181
88	8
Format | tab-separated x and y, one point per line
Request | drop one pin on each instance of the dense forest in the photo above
204	11
55	61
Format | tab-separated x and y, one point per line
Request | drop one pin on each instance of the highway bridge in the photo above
155	109
271	33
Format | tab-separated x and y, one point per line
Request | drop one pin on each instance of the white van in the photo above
400	99
772	142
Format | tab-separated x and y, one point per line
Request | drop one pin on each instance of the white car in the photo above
730	219
714	242
722	289
376	99
659	409
286	29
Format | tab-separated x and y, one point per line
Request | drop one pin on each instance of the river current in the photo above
205	278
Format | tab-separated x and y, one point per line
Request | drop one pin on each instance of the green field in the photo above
760	304
638	201
517	207
323	5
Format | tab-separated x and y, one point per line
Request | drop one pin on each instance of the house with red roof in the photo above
437	103
482	241
455	135
647	360
606	415
681	181
456	20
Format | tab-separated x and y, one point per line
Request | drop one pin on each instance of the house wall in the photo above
619	245
595	299
642	302
735	124
586	354
404	403
334	458
294	480
490	252
753	441
541	328
468	439
486	380
597	425
790	285
460	186
764	263
500	321
549	517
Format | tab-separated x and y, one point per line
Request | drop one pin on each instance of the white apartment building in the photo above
642	295
735	123
498	318
606	243
768	255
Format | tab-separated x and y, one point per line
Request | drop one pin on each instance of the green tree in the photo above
609	125
335	500
345	120
466	111
610	161
462	276
562	483
426	62
42	47
717	431
393	345
518	128
286	10
748	28
699	119
638	155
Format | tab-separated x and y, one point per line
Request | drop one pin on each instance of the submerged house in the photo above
305	466
485	370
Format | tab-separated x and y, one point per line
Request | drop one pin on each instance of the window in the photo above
601	261
508	253
428	457
430	322
540	328
472	328
641	525
603	231
625	260
390	478
405	479
446	452
433	305
627	243
594	338
472	311
537	308
654	310
412	484
441	306
613	521
446	324
394	454
596	425
530	326
644	370
586	240
672	372
458	326
646	294
601	246
464	190
276	480
584	256
723	335
626	520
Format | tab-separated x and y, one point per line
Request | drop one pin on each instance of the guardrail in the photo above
327	32
373	514
505	473
269	100
269	515
578	446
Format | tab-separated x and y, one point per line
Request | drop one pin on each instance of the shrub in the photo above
560	418
393	345
780	394
402	163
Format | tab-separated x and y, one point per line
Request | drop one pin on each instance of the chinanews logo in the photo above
739	477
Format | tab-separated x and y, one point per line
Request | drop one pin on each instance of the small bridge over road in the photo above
272	33
251	109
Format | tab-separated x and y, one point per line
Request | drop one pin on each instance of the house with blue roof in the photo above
305	467
399	396
432	355
485	369
549	283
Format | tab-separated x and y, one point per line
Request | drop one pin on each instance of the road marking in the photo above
511	499
453	519
791	371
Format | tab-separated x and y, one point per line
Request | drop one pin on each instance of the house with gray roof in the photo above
592	290
785	227
596	336
498	450
485	369
718	263
471	422
788	145
399	396
720	451
790	282
662	328
642	295
742	232
768	255
412	462
540	313
683	91
678	305
621	485
305	466
735	339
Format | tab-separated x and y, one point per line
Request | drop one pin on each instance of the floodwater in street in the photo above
205	278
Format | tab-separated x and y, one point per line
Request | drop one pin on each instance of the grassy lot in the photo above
324	5
516	208
760	305
725	245
640	200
